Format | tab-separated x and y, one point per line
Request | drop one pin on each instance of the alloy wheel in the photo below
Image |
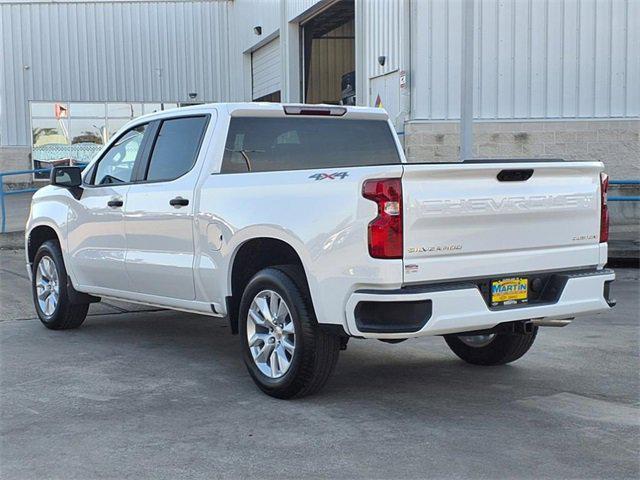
47	285
271	334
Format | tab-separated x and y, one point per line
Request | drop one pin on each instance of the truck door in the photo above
158	214
95	230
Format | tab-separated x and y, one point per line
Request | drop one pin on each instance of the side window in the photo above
176	148
116	165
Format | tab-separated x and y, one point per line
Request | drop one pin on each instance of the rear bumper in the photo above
461	307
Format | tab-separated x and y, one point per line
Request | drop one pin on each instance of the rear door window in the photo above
275	144
176	148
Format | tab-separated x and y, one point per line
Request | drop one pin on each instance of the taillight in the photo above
385	231
604	208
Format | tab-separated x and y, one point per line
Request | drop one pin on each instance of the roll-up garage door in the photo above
265	70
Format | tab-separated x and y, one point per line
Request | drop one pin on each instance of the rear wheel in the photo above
491	349
50	288
283	348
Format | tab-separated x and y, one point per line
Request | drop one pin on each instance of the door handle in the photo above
179	202
114	203
521	175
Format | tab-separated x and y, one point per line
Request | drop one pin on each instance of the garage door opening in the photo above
265	72
329	55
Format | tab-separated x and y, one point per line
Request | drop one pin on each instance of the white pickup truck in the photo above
305	226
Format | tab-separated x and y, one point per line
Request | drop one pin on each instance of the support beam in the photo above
466	82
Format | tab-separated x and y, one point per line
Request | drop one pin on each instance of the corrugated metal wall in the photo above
142	51
381	25
243	16
246	14
298	7
534	59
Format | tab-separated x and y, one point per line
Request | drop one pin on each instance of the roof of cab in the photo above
267	109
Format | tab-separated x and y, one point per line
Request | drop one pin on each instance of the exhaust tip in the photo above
547	322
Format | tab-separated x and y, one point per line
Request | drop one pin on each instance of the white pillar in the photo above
466	82
290	54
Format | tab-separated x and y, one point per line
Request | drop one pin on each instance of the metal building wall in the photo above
247	14
243	16
109	51
295	8
381	21
534	59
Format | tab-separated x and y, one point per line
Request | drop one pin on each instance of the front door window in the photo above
116	166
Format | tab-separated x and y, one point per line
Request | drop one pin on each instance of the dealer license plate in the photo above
509	291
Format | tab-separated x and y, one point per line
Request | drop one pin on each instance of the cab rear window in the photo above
274	144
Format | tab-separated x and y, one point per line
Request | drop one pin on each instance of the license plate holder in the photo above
509	291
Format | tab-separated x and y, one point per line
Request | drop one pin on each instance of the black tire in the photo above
316	352
66	314
504	348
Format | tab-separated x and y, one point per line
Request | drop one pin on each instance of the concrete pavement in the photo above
164	395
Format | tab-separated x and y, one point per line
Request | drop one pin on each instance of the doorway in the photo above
328	55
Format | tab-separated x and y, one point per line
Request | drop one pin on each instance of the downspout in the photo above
466	82
404	115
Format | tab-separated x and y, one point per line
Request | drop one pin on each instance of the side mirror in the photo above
69	178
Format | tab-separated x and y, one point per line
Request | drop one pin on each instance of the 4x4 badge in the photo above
330	176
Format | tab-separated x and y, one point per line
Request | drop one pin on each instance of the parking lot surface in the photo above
146	393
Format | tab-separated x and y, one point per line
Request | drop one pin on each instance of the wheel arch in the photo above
251	256
37	236
42	233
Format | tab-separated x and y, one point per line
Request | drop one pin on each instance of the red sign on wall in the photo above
61	111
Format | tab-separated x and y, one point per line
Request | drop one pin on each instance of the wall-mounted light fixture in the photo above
257	30
382	60
192	95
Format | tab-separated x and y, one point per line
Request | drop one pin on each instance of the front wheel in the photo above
283	348
491	349
50	287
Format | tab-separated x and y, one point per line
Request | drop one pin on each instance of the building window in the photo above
71	133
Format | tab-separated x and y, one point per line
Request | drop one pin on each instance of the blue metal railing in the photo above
15	192
4	193
630	198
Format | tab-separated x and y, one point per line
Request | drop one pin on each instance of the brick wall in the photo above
15	158
614	142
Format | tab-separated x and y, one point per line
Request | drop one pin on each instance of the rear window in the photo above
176	148
274	144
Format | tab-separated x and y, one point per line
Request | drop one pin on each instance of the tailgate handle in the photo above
521	175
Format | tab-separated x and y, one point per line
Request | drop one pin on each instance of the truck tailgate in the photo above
461	221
